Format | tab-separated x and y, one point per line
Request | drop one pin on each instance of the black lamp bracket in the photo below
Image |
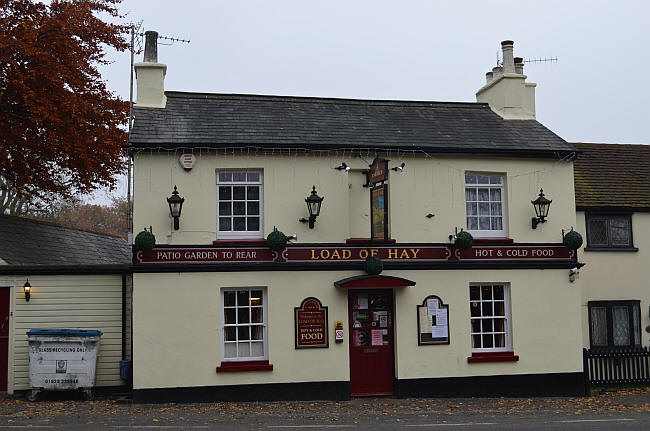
536	221
311	220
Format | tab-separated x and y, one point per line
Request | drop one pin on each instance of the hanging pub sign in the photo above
433	321
311	324
379	213
378	171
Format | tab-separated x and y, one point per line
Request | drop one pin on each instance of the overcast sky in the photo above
598	91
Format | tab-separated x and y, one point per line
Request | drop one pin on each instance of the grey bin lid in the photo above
65	332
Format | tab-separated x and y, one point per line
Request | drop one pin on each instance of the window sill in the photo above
624	249
234	241
492	357
494	240
237	366
369	241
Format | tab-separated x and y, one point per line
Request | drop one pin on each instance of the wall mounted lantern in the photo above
175	206
313	206
27	290
541	205
343	167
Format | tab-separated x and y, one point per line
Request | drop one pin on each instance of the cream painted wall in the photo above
177	334
177	328
543	304
617	275
427	185
66	301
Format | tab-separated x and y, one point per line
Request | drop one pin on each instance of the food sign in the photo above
311	324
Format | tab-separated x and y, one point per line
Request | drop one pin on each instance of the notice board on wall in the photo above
311	324
433	321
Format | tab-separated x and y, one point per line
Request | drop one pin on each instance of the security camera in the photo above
573	274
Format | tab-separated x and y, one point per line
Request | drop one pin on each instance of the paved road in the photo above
628	410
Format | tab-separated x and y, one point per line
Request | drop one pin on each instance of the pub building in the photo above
316	248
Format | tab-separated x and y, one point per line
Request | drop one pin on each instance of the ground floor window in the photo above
489	306
614	323
244	324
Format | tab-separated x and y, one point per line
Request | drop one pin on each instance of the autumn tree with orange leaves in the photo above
61	129
108	219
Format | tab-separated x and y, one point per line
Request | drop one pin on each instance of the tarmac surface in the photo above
625	410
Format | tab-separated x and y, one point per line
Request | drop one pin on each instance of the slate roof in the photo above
29	242
192	120
612	175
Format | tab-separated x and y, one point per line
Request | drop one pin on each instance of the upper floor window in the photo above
239	204
609	231
614	323
484	205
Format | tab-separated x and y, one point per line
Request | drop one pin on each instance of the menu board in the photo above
433	321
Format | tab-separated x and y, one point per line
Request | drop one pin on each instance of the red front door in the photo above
371	342
4	337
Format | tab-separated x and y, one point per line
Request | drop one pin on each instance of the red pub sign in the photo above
389	253
378	171
311	324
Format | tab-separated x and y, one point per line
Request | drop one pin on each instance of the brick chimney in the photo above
506	89
150	75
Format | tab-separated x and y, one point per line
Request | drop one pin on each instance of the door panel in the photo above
371	320
4	337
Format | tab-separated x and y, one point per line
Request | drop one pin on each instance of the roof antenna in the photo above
136	45
171	40
541	60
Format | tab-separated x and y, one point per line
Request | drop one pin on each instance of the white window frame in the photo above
507	326
237	307
487	233
232	234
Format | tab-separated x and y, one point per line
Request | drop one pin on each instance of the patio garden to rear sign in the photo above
311	324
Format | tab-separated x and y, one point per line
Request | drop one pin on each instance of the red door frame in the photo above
5	308
362	371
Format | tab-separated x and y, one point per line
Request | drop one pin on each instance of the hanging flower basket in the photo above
145	241
373	265
572	240
464	240
277	240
